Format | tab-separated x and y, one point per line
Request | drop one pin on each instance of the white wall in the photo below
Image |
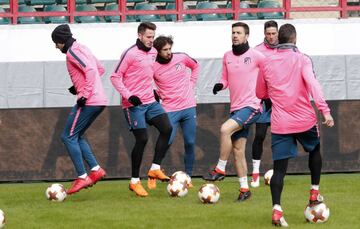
22	43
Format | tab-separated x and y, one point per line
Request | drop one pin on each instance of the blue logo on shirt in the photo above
247	60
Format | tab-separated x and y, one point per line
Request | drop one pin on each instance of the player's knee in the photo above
65	138
225	130
142	140
260	136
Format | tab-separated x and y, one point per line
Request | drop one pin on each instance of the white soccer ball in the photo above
209	193
2	219
177	188
56	192
181	177
318	213
267	176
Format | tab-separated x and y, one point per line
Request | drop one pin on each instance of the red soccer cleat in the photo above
278	219
315	197
79	184
95	176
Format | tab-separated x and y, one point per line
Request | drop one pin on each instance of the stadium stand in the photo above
242	16
115	7
172	17
3	20
270	15
149	17
208	17
87	19
39	2
28	20
59	19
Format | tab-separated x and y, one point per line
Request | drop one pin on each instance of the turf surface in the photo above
110	204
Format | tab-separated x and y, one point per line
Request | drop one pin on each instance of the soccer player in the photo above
85	71
133	79
267	48
288	79
176	88
239	74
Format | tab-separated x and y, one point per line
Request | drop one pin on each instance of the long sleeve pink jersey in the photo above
85	71
266	51
134	75
176	83
288	79
239	73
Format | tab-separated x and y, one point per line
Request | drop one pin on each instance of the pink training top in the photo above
265	50
134	75
175	83
287	77
239	73
85	71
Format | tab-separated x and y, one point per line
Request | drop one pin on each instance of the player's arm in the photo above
82	62
314	89
261	86
224	78
194	66
118	75
100	67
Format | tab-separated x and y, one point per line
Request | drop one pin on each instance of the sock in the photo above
277	207
83	176
315	187
154	166
243	182
256	166
95	168
221	165
134	180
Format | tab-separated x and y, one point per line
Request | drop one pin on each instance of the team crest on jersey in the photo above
247	60
177	67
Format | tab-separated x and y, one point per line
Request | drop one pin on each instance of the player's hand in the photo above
329	121
217	88
72	90
267	103
157	97
134	100
81	102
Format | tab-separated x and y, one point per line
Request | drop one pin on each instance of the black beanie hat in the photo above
61	34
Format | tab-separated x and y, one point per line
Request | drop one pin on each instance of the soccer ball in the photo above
318	213
209	193
56	192
267	176
2	219
181	177
177	188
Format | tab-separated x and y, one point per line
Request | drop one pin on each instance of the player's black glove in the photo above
156	95
81	102
267	103
72	90
217	87
134	100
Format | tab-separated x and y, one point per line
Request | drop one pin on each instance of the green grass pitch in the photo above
109	204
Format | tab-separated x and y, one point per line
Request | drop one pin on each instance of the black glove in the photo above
81	102
217	87
72	90
156	95
134	100
268	103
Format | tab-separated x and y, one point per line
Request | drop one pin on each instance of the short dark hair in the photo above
271	23
287	34
146	25
241	24
161	41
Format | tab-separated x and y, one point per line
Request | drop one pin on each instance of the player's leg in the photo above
160	120
311	142
283	147
76	123
188	126
239	145
97	173
257	149
135	116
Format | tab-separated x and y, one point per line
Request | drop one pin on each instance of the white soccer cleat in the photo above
255	181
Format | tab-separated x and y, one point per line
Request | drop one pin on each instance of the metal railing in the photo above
342	7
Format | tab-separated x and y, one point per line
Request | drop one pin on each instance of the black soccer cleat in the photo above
214	175
244	195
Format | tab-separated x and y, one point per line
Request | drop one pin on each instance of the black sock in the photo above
162	123
260	134
141	139
315	164
277	180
